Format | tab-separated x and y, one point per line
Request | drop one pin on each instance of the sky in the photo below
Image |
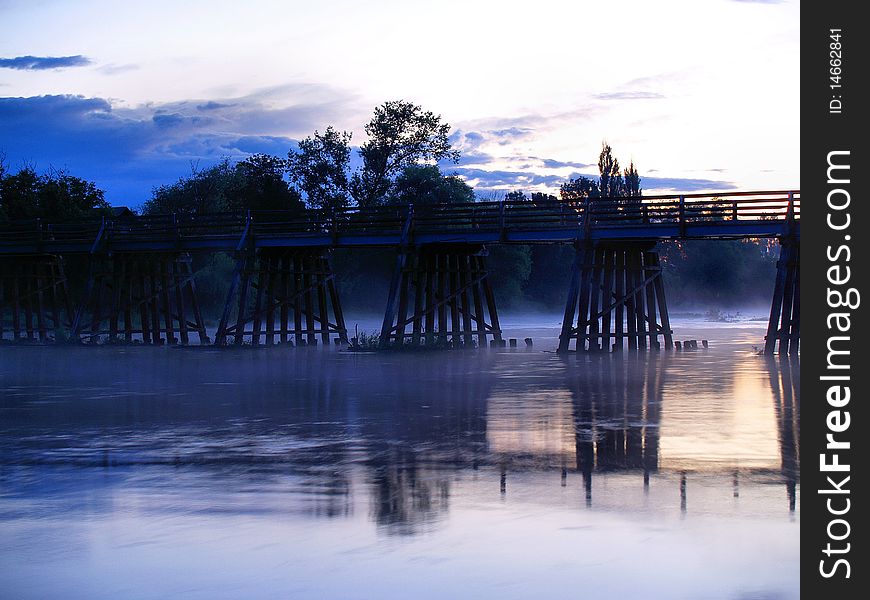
702	95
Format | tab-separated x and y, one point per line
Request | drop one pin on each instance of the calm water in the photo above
156	473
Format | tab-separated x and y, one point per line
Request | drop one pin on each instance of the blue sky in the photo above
701	94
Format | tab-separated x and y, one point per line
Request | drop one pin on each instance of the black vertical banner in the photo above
835	227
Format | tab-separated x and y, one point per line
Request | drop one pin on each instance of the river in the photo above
313	473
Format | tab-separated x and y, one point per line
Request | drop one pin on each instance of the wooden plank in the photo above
298	290
335	301
284	296
27	278
16	302
243	299
796	307
464	278
166	305
773	323
630	295
431	276
652	317
567	332
190	286
178	284
38	281
785	334
321	276
659	284
311	335
143	303
619	309
477	274
639	300
453	273
607	297
261	282
154	299
274	264
443	285
594	297
585	286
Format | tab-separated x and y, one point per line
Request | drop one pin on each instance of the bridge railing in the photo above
505	216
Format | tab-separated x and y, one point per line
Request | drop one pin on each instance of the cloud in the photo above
212	105
41	63
550	163
487	180
128	151
759	1
629	96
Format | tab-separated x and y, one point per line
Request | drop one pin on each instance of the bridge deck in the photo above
694	216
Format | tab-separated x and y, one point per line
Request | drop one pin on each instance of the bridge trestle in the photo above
148	298
784	325
282	295
34	299
441	297
616	298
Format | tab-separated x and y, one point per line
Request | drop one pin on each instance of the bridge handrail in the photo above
497	216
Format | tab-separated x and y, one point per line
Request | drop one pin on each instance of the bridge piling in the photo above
784	323
621	300
158	288
449	292
34	287
271	283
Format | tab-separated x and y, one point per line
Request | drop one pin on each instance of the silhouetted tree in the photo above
577	190
258	183
54	194
425	184
320	168
515	196
631	181
400	135
610	182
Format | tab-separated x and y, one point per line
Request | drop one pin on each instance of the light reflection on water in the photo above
143	473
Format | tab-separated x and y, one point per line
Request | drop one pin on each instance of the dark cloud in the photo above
550	163
129	151
41	63
212	105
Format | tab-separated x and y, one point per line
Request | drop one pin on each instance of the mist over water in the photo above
313	473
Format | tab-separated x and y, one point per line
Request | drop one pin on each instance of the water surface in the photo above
310	473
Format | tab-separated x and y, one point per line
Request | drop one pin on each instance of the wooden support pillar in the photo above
284	280
157	289
448	291
621	300
784	323
34	302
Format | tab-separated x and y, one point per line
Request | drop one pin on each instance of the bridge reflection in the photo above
402	437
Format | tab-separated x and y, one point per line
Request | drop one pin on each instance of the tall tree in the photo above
610	183
401	134
320	169
631	181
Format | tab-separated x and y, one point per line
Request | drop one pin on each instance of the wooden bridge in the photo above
141	286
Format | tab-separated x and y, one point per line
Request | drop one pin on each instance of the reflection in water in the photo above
785	383
330	444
